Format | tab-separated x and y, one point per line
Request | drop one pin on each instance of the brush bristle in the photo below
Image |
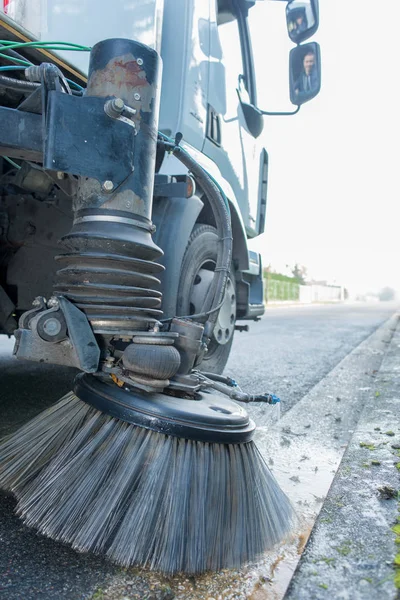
140	497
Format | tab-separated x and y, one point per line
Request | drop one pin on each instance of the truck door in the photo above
229	142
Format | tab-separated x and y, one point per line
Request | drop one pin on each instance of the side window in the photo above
233	65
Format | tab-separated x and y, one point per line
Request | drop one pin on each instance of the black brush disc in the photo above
207	418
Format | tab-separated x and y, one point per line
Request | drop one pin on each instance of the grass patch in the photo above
323	586
367	446
397	579
326	560
344	549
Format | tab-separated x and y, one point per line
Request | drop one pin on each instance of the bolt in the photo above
128	204
107	186
53	302
52	326
110	360
60	175
118	104
136	96
37	301
114	107
140	61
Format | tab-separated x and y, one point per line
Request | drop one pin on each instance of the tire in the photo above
196	274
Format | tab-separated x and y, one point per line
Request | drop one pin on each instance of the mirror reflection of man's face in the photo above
309	62
299	20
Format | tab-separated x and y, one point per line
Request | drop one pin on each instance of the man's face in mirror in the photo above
309	62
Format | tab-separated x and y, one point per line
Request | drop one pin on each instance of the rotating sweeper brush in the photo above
143	461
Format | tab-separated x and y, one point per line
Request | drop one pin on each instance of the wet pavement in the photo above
289	352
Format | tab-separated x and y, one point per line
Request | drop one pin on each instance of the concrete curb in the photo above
351	550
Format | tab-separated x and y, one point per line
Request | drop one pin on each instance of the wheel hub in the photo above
225	324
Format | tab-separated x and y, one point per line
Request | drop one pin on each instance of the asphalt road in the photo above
293	348
289	351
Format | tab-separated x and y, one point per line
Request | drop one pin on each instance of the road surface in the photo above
288	352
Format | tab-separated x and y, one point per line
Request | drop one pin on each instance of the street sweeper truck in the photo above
133	177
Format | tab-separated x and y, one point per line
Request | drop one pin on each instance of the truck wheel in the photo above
196	275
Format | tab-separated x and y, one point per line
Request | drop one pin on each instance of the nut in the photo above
114	107
107	186
136	96
118	104
53	302
140	61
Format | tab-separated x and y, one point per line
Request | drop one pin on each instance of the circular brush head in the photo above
205	418
166	490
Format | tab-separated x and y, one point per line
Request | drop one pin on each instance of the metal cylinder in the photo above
130	71
109	269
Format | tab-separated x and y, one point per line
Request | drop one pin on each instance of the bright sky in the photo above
333	200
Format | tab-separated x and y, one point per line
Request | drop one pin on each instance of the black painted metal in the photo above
21	134
208	418
82	140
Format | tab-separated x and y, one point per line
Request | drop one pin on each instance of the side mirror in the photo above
305	73
302	18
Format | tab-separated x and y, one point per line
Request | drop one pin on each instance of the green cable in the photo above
12	68
14	164
26	63
44	45
76	85
16	60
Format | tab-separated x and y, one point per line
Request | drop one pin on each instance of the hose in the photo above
229	387
220	208
18	84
